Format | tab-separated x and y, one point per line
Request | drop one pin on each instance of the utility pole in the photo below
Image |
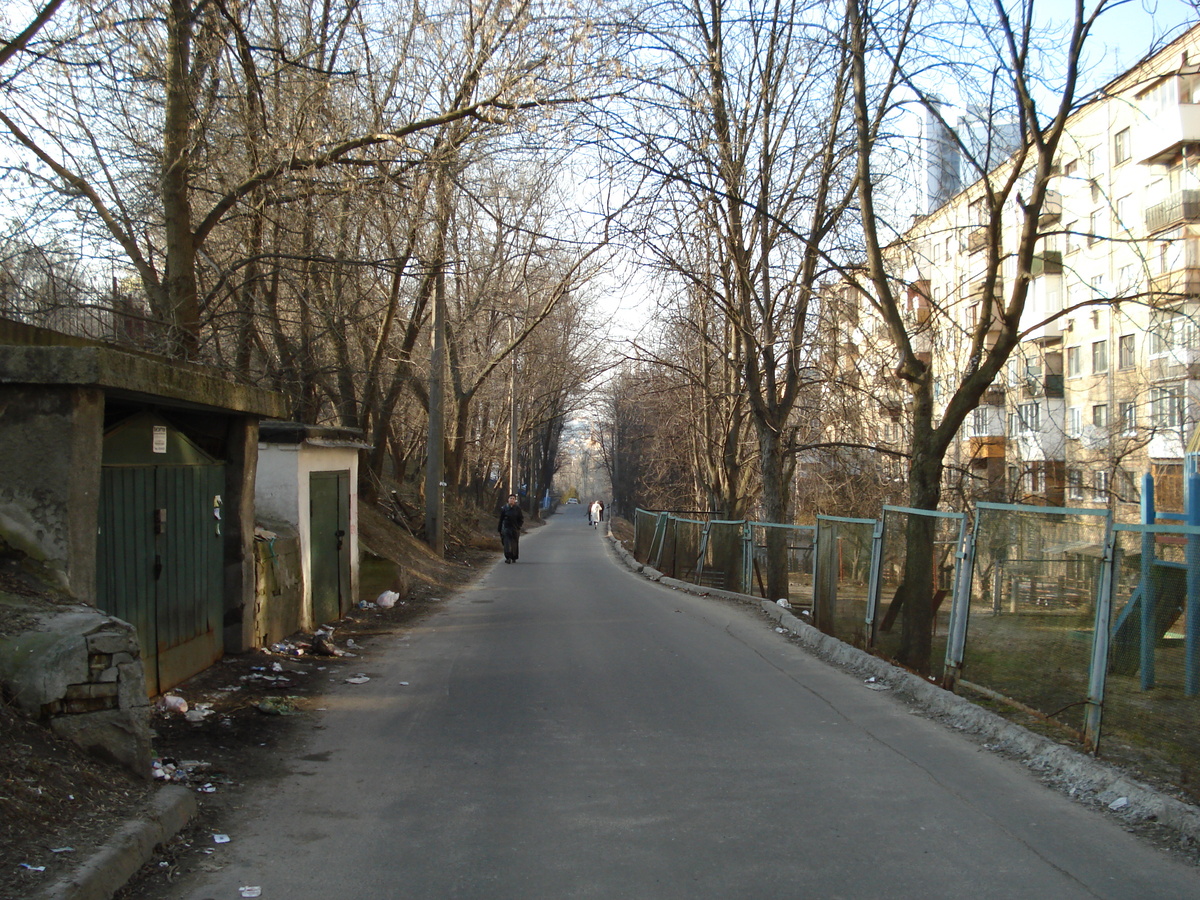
435	455
512	418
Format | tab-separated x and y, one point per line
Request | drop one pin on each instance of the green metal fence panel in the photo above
1032	607
844	564
1149	721
721	553
644	524
800	548
886	628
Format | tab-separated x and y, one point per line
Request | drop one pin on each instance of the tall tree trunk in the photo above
775	509
183	312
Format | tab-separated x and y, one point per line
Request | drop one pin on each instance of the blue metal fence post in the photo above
1192	631
1146	586
747	585
1101	638
875	582
960	604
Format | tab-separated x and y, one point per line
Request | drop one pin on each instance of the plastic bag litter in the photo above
1119	803
387	599
172	703
784	603
358	679
250	891
220	839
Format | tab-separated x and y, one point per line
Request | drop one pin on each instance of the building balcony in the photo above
1176	284
987	447
1051	210
1162	136
1180	208
977	239
1046	263
1048	386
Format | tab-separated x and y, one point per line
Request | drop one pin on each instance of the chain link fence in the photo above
845	550
1151	719
1031	613
800	547
885	635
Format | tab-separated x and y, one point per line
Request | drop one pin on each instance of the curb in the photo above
1082	776
130	848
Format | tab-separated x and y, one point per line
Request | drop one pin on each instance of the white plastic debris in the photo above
358	679
781	631
172	703
250	891
1119	803
784	603
33	868
220	839
63	850
387	599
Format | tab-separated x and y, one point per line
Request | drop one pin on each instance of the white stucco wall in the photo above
282	493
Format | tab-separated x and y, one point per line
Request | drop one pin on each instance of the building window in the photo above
1071	237
1029	417
1099	357
1126	351
979	423
1100	415
1127	487
1071	168
1172	329
1035	480
1095	221
1121	147
1074	422
1127	417
1100	486
1075	484
1074	366
1166	406
1125	211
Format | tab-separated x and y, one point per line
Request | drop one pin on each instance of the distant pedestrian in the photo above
601	502
594	512
511	522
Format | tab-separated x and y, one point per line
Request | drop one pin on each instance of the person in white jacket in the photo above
594	513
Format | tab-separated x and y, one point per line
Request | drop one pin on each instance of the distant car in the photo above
573	500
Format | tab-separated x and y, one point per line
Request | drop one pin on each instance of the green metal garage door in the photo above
329	544
160	559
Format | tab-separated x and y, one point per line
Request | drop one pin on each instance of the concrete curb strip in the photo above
1085	775
131	847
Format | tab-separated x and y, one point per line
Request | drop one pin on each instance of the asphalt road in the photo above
567	729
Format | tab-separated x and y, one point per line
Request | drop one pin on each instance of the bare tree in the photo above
898	53
745	111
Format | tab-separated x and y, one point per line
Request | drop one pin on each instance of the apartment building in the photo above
1105	383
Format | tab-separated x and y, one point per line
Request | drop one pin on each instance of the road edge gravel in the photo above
1077	774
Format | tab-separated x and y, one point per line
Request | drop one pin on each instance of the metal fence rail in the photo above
1090	625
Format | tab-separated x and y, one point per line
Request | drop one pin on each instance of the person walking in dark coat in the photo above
511	521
